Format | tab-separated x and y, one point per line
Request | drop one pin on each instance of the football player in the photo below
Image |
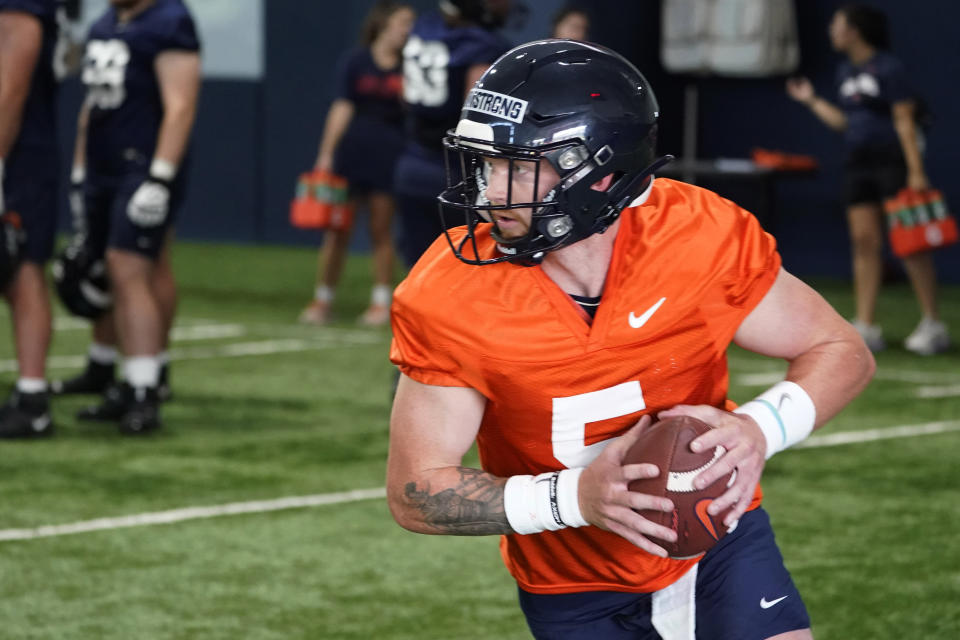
142	75
581	299
446	52
28	187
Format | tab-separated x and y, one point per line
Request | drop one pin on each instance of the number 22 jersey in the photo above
687	268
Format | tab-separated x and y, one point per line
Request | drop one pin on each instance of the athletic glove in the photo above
150	203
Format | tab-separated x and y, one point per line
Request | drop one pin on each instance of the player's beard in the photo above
513	227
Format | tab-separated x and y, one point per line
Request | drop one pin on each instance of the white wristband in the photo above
162	169
547	502
78	174
785	413
568	497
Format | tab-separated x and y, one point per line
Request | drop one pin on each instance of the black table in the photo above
723	170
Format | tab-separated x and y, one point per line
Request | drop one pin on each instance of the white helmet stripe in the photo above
477	130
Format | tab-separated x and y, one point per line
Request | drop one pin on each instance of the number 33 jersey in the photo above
687	268
436	59
123	92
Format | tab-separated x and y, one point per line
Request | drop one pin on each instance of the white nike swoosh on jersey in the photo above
764	604
636	322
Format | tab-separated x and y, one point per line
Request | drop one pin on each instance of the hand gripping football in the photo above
667	445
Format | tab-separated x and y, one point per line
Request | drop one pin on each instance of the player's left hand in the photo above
150	203
746	449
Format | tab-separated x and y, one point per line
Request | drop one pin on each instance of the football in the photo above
667	445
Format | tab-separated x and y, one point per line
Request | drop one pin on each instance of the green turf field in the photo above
265	409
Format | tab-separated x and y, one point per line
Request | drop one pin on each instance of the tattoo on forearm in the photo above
473	507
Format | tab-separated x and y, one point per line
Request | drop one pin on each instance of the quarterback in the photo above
582	298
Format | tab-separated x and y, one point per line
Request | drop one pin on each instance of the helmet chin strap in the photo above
614	210
641	178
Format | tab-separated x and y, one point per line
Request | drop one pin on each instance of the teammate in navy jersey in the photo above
28	186
362	138
142	74
445	54
877	115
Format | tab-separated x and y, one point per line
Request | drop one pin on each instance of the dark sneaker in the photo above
94	379
113	405
26	415
143	413
164	392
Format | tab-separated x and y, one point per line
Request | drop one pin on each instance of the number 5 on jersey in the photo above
571	415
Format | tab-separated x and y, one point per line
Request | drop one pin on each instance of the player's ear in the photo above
603	183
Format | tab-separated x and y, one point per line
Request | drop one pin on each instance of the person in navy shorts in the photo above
877	113
362	138
28	187
142	75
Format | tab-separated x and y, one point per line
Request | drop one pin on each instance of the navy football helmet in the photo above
579	106
81	280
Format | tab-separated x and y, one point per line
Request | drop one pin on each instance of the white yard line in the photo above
181	332
918	377
207	332
951	391
74	323
298	502
763	379
270	347
190	513
330	340
886	433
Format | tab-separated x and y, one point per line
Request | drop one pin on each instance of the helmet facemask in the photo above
469	162
553	222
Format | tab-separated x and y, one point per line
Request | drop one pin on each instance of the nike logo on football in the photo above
765	604
637	322
701	510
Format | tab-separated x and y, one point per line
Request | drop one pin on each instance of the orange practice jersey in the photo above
688	266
